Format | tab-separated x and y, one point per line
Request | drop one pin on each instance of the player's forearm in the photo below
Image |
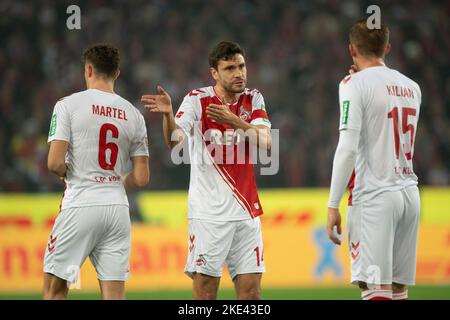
169	126
259	136
131	180
342	169
343	165
57	168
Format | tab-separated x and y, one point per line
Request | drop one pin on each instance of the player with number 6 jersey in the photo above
379	113
93	134
103	130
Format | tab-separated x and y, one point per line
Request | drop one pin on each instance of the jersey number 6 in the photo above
103	146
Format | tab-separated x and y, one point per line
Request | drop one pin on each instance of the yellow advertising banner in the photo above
296	255
297	252
281	206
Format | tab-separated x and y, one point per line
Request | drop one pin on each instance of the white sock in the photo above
376	294
400	296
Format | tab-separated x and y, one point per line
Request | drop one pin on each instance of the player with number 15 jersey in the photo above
379	113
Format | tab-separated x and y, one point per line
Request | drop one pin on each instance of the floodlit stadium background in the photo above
296	55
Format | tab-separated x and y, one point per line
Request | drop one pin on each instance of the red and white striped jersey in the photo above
383	105
103	131
221	187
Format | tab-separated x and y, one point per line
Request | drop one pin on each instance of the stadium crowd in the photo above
296	54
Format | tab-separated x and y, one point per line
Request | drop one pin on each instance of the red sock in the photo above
376	295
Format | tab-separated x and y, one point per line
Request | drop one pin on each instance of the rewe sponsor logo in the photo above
216	147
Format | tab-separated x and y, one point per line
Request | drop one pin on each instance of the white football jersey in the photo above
104	131
222	187
384	106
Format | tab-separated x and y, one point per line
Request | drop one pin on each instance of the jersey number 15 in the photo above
405	127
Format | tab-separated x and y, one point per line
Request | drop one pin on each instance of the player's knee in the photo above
54	290
250	290
205	293
209	295
249	294
205	287
205	282
51	293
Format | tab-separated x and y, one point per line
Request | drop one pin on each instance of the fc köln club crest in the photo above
244	114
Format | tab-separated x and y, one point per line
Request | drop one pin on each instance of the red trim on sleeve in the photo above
259	114
346	79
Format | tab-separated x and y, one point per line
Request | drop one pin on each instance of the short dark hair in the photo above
370	42
104	57
224	50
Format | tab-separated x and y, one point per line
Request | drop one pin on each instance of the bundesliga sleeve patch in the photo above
345	108
52	126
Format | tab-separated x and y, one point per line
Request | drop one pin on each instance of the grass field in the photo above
417	292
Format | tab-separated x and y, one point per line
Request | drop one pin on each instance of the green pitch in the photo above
417	292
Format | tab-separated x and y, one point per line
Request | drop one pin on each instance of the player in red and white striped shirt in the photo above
224	207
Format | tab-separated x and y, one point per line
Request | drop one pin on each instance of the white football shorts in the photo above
382	235
100	232
213	243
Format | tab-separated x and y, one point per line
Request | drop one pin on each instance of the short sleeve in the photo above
259	113
185	116
60	123
139	145
350	106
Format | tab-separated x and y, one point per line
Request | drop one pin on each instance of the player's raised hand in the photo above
160	102
334	220
220	113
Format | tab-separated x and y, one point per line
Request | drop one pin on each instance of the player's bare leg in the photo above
399	291
205	287
54	288
112	290
382	292
248	286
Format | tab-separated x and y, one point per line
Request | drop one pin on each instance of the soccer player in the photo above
379	113
223	208
93	133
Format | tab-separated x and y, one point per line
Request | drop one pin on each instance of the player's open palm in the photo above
160	102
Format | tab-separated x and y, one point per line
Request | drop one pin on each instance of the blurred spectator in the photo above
296	54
